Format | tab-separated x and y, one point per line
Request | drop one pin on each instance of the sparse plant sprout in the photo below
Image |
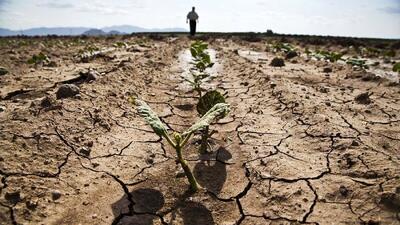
201	60
359	63
120	44
206	102
326	55
39	59
396	67
179	140
283	47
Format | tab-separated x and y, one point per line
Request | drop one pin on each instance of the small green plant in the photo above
179	140
201	60
39	59
120	44
360	63
206	102
396	67
326	55
283	47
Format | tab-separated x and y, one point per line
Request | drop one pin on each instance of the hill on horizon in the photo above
62	31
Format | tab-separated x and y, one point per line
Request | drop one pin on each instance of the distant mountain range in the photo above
123	29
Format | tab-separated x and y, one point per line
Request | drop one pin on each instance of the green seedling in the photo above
179	140
39	59
120	44
360	63
206	102
283	47
201	60
326	55
396	67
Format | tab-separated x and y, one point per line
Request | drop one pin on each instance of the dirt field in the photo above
300	146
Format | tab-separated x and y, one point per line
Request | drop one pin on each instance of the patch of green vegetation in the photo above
283	47
396	67
325	55
40	58
120	44
201	60
206	102
179	140
360	63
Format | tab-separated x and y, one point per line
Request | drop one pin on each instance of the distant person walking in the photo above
193	18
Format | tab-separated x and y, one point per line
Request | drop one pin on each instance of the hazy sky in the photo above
362	18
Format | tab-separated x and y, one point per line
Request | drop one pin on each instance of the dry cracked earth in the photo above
296	148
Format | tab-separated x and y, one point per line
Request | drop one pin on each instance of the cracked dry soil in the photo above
296	147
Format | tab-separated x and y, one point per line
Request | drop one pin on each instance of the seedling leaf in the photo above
396	67
150	116
207	101
218	111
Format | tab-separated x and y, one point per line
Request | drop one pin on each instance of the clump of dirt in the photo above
67	91
277	62
363	98
291	55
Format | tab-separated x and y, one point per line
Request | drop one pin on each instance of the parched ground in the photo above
296	148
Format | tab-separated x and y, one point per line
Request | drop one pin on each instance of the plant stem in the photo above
204	138
194	186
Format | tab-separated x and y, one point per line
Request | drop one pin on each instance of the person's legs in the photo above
192	27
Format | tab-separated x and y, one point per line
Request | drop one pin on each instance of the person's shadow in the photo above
212	174
149	201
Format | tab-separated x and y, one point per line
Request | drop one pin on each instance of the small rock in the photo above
324	90
51	64
89	144
47	162
85	151
327	70
94	216
13	197
2	108
272	85
55	194
3	71
355	143
363	98
32	204
277	62
47	102
67	90
343	191
370	77
150	160
390	200
92	75
291	54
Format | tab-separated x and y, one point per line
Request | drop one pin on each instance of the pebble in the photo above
92	75
3	71
13	197
85	151
327	70
55	194
67	90
277	62
32	204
